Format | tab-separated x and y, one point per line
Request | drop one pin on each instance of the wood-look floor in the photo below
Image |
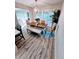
35	47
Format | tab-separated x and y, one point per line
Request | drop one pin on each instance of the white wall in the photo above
59	37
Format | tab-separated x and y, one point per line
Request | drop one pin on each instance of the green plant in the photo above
55	17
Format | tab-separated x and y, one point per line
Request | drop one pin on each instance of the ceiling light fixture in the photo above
35	8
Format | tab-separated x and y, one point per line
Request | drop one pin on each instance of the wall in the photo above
59	37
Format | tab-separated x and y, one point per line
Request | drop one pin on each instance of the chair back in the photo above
18	27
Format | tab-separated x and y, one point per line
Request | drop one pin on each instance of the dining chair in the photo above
18	27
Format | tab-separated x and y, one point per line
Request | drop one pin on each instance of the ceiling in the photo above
31	3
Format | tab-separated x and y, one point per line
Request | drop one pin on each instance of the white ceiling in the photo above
31	3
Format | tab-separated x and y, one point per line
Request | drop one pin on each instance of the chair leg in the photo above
22	36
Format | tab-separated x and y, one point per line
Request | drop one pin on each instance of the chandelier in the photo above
35	8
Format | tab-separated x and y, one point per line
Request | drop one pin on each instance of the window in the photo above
45	15
22	15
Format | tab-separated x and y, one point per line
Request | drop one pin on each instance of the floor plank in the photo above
35	47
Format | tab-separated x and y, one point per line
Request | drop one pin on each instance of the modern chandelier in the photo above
35	8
